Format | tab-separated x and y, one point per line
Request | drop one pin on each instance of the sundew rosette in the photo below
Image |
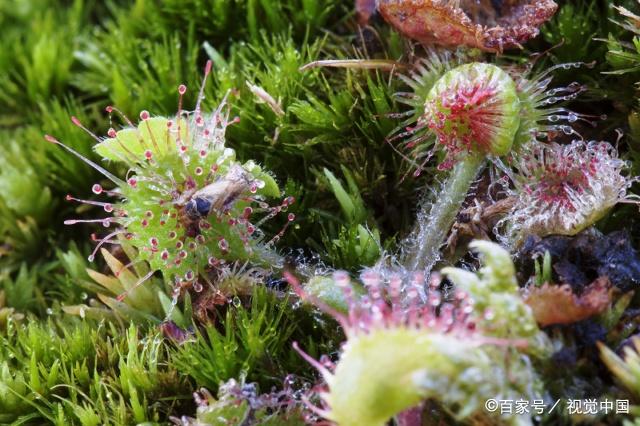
480	108
187	205
563	189
473	109
407	341
468	116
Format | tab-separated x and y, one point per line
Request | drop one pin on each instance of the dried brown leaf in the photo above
490	25
558	304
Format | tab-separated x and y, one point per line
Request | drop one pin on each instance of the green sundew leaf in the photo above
152	134
327	291
271	188
221	413
495	286
114	149
155	132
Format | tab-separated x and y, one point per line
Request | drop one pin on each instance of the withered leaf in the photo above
490	25
558	304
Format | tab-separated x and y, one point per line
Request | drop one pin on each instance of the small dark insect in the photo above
220	195
217	197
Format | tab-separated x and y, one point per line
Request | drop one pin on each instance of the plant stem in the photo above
422	247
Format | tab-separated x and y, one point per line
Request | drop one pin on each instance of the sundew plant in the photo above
293	212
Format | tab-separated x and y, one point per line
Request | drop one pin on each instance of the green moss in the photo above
73	372
251	343
326	144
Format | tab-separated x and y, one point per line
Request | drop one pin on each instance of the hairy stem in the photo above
422	247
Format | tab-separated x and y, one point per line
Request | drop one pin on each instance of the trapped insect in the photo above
186	205
220	195
216	198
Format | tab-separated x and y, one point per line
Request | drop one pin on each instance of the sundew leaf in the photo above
132	143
